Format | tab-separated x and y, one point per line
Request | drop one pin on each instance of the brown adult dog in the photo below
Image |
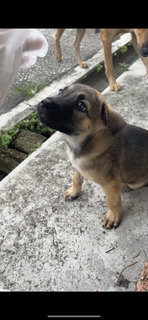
79	37
101	145
139	41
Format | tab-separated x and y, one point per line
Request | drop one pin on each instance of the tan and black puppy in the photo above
101	145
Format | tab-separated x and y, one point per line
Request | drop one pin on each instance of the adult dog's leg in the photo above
79	36
107	38
58	35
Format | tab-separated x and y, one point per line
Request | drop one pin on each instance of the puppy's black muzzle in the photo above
42	109
45	103
56	114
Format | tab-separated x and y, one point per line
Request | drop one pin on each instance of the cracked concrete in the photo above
49	244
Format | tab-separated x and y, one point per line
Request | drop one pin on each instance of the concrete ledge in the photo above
48	244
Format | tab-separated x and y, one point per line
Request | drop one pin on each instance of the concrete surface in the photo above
49	244
65	73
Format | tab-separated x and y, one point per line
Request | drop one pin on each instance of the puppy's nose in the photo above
144	50
45	103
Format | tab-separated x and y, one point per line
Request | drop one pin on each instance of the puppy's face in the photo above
76	109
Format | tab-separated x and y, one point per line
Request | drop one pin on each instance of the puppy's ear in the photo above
104	115
112	119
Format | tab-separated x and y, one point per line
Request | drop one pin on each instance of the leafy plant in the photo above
29	90
7	137
123	49
32	123
99	67
38	145
129	44
124	67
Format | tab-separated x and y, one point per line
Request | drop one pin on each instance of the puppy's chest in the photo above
77	163
83	165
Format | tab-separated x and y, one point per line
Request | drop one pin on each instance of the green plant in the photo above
36	146
7	137
29	90
32	123
123	49
129	44
124	67
5	140
99	67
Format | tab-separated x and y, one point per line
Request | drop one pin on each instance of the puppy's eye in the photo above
81	106
60	91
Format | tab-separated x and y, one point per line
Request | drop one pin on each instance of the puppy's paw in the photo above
115	86
111	220
83	64
71	194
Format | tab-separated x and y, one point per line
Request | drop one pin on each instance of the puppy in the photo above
101	145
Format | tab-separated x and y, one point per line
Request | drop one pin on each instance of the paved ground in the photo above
48	69
52	245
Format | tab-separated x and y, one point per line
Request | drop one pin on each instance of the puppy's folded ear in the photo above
104	115
112	119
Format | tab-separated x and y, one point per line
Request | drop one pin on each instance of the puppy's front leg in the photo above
74	191
113	200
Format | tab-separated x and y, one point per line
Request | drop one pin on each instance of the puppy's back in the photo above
131	145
